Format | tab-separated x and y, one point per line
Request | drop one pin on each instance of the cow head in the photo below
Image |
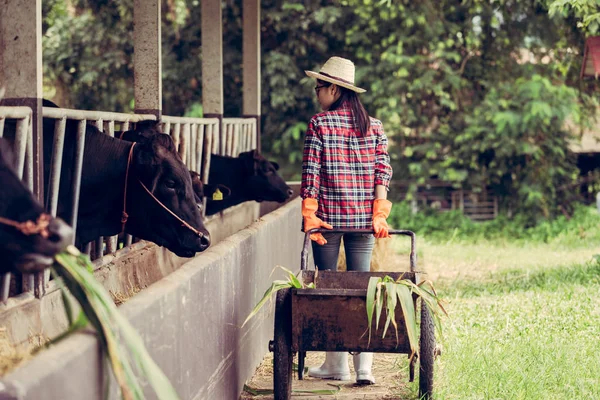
157	165
144	131
264	182
21	250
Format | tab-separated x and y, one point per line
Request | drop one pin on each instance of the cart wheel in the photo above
426	353
282	346
301	357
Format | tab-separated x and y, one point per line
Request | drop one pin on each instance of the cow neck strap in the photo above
124	215
29	227
183	223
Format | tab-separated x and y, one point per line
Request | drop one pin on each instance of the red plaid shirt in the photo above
340	169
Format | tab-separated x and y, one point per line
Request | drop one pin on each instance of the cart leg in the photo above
301	357
426	356
282	346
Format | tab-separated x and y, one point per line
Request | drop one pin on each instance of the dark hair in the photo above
361	117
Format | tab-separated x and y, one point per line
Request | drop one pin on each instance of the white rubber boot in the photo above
362	365
335	367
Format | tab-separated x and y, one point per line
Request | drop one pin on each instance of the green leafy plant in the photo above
387	292
120	342
291	282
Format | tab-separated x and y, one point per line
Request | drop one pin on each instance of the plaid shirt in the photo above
340	169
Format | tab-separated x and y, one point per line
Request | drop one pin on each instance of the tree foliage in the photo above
587	13
474	92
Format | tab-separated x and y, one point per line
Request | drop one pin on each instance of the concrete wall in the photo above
189	321
123	275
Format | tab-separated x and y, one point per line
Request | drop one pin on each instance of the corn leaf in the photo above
408	310
371	289
275	286
390	289
115	333
74	278
292	277
378	304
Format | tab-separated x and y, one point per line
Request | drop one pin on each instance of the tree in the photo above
459	85
587	13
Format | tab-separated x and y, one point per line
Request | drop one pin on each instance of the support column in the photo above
21	70
251	67
212	61
147	57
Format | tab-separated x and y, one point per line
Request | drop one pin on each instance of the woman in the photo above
345	179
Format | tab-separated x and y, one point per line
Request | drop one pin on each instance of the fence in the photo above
195	139
478	206
239	134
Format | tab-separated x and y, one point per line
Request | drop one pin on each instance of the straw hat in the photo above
339	71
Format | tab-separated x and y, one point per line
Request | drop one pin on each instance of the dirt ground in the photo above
390	371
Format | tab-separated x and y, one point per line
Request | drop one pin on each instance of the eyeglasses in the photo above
319	87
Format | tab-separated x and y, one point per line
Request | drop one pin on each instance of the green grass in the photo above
523	304
524	319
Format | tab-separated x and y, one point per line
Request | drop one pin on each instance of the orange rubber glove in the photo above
381	210
311	221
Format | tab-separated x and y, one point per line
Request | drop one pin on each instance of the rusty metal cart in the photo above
333	317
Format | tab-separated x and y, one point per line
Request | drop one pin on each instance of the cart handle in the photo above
413	239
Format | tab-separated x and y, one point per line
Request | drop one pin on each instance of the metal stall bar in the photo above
23	150
128	240
195	142
241	135
190	138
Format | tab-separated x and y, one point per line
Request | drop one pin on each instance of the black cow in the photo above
249	177
102	195
25	246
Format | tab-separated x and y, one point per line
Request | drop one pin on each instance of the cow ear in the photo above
131	136
225	190
143	132
163	140
148	155
48	103
275	165
197	184
147	124
249	161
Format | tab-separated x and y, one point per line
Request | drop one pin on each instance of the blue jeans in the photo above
358	247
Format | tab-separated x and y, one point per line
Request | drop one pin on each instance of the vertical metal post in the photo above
77	169
147	57
251	68
212	59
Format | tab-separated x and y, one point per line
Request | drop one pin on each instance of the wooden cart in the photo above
333	317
